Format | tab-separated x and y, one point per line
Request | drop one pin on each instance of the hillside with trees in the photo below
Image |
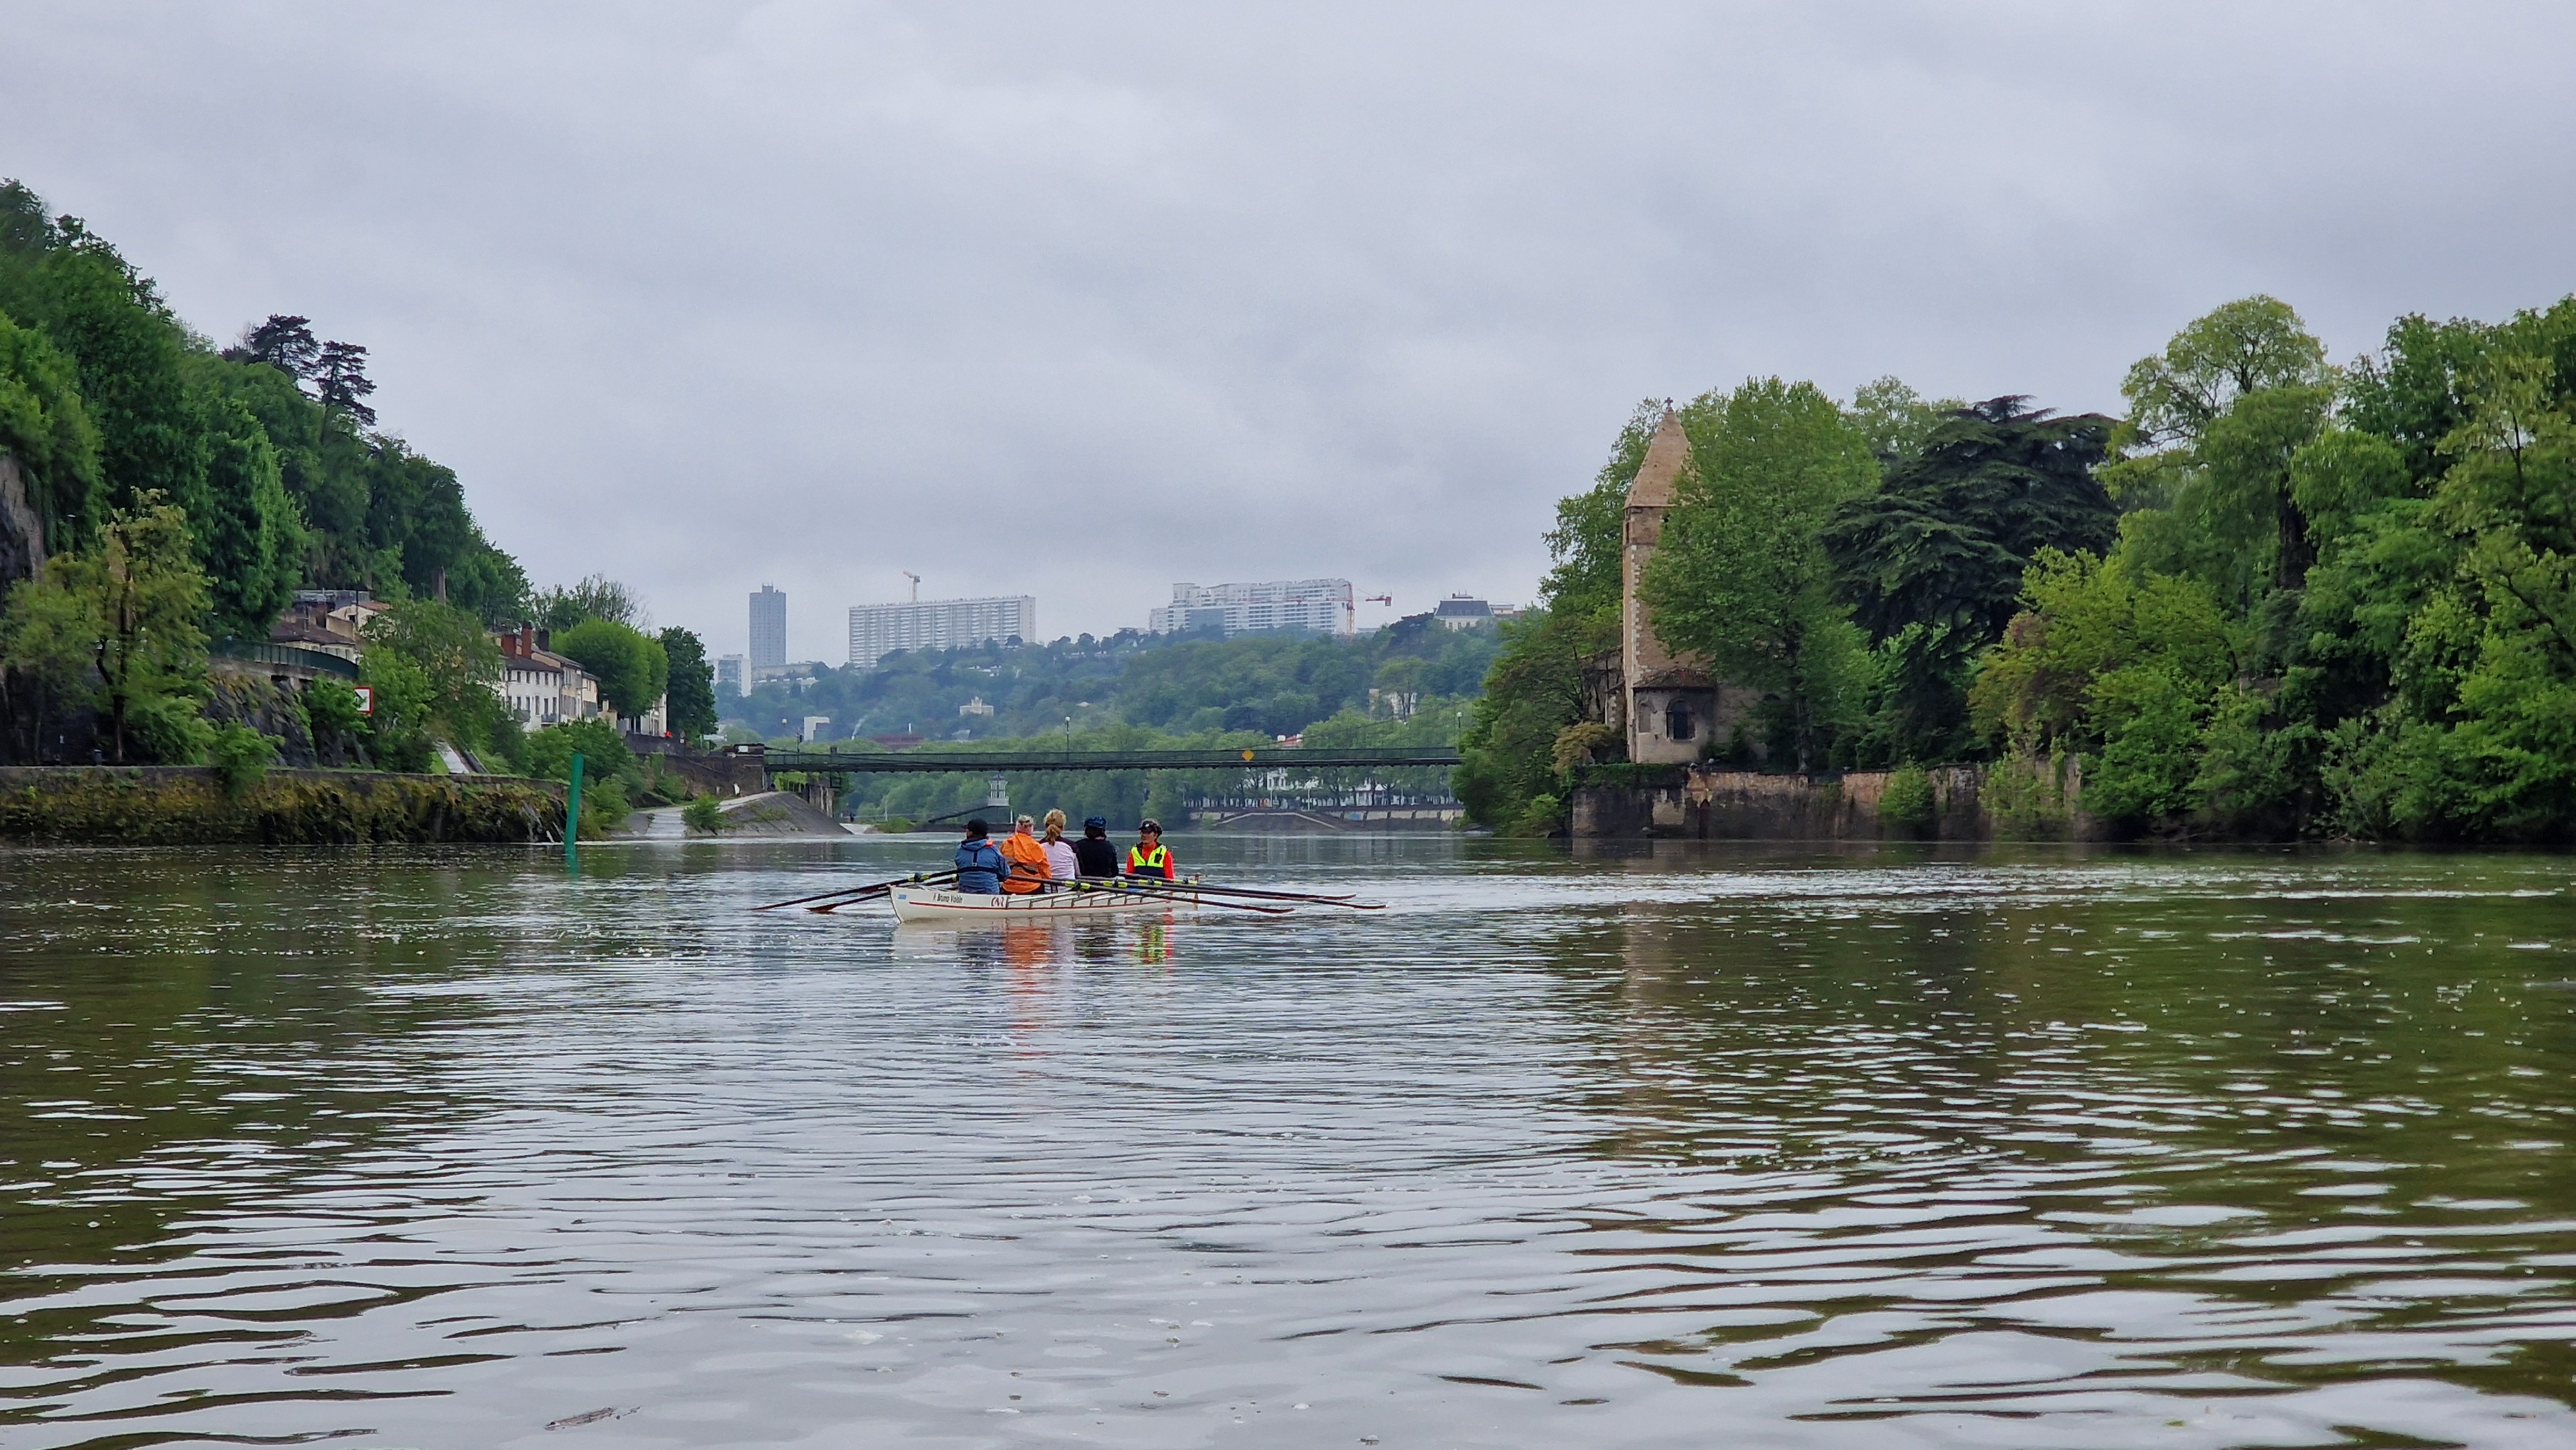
1265	684
2279	598
162	498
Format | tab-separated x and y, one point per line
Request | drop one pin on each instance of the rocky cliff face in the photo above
22	532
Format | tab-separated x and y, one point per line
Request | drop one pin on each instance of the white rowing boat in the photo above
932	903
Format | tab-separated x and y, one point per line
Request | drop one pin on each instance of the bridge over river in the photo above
749	767
1004	762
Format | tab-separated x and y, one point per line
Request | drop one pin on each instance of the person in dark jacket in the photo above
979	865
1094	854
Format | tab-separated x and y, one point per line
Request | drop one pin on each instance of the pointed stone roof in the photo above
1666	456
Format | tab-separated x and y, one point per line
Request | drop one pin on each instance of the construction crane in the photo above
1386	599
916	583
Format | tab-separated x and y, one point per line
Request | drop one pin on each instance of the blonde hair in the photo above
1055	825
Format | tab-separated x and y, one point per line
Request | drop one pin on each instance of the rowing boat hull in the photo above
929	903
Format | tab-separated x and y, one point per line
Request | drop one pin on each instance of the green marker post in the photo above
572	815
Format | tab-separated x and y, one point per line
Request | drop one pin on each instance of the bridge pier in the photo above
997	799
817	791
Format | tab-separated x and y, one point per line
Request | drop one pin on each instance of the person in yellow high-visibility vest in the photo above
1149	856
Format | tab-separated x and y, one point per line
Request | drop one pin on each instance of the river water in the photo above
1741	1146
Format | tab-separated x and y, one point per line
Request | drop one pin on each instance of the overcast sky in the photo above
1078	300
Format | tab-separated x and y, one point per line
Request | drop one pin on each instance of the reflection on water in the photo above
1702	1145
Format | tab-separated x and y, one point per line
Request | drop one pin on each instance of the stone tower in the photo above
1671	702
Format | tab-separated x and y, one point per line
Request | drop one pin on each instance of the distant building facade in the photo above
541	687
1308	606
878	630
768	628
733	679
1458	611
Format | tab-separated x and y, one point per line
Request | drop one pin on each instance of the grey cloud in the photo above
1084	299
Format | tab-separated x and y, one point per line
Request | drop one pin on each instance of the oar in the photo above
1174	891
856	892
1292	896
870	893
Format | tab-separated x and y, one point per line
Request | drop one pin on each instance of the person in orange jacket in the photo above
1022	852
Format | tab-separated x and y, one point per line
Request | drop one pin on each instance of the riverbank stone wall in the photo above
185	805
2013	800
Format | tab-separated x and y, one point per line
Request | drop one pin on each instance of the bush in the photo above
603	806
897	826
168	729
1906	809
601	744
1581	744
332	707
705	816
241	757
1543	816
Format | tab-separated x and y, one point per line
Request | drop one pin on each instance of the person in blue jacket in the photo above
979	865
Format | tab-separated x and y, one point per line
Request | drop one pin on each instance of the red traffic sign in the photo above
366	699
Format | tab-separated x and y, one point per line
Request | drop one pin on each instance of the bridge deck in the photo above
1023	761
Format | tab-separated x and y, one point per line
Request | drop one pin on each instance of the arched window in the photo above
1677	721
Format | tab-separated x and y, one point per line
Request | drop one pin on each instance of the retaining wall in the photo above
186	805
2012	800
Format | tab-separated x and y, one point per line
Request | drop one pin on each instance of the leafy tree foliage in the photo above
1897	420
340	381
248	538
693	685
1741	577
283	342
1932	562
2243	347
45	426
597	597
456	665
632	670
131	607
601	745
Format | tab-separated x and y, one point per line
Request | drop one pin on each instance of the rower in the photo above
1093	855
1149	856
1027	859
979	866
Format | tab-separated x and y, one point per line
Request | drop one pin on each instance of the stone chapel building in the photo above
1670	707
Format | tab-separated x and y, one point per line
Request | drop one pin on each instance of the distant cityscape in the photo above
1318	607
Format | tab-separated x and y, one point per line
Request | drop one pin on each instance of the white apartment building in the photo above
541	687
1314	606
878	630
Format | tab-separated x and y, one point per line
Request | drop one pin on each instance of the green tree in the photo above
2243	347
400	731
146	594
249	541
1897	420
49	634
2096	643
631	668
2246	453
126	349
601	744
1741	577
457	665
597	597
1932	562
45	425
693	685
